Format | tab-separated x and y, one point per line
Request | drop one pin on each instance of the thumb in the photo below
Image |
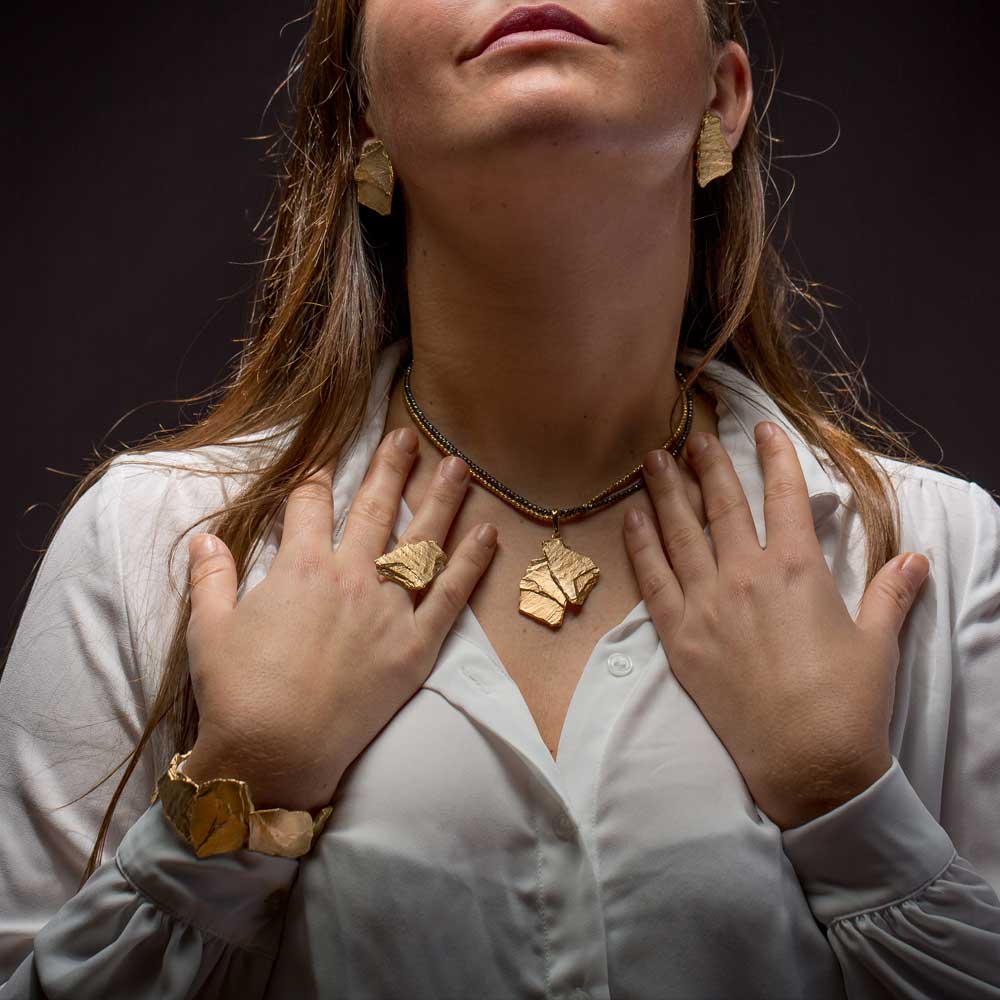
891	594
212	572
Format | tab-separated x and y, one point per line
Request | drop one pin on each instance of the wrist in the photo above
270	787
217	815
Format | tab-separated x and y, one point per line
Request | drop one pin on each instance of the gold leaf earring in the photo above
713	157
375	177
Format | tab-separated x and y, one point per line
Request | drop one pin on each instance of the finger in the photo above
376	504
212	575
686	544
726	509
439	505
450	590
308	519
657	581
890	595
788	520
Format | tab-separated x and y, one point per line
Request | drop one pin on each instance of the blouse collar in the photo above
741	404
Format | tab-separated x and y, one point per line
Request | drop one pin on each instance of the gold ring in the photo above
413	565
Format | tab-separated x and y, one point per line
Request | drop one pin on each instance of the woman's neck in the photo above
550	361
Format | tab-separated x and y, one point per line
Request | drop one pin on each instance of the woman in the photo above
480	746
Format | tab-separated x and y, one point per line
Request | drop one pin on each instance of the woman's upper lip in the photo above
546	15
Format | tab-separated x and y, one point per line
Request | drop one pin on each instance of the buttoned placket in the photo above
470	675
475	681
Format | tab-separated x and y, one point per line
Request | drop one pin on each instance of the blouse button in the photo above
565	827
619	664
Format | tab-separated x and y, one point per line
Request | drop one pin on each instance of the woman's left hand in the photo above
799	693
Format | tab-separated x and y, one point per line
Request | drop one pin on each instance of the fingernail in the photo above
487	534
406	438
697	442
764	431
656	461
634	519
914	568
454	468
203	545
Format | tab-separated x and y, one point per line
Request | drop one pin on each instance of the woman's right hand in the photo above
298	677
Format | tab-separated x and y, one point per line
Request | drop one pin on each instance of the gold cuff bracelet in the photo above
218	816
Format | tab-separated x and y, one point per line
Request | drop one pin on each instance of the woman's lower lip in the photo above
546	35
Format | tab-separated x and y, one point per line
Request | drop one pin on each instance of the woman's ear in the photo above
733	100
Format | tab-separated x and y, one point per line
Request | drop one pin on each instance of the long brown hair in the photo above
331	294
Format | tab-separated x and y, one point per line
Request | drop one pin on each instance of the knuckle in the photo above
308	565
207	568
393	461
479	555
647	542
663	486
317	490
682	537
781	489
656	585
744	584
351	587
443	492
452	595
792	563
374	509
898	595
709	618
722	507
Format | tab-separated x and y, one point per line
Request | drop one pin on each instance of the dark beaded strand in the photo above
615	492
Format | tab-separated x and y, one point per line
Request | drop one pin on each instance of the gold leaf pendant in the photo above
556	579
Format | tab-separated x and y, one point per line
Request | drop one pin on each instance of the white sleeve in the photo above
909	903
153	921
73	703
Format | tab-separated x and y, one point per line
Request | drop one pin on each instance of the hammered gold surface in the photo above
558	578
321	817
413	565
176	797
714	156
374	177
219	812
575	574
541	597
543	609
286	833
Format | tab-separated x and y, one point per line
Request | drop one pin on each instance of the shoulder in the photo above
937	498
955	522
140	514
161	492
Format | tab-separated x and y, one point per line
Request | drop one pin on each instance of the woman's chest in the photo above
544	662
460	862
547	664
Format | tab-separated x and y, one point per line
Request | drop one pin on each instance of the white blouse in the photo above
462	862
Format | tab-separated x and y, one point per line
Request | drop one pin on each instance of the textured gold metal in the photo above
285	833
218	816
176	791
413	565
714	157
375	177
558	578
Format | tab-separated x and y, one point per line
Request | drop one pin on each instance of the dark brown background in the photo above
131	190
